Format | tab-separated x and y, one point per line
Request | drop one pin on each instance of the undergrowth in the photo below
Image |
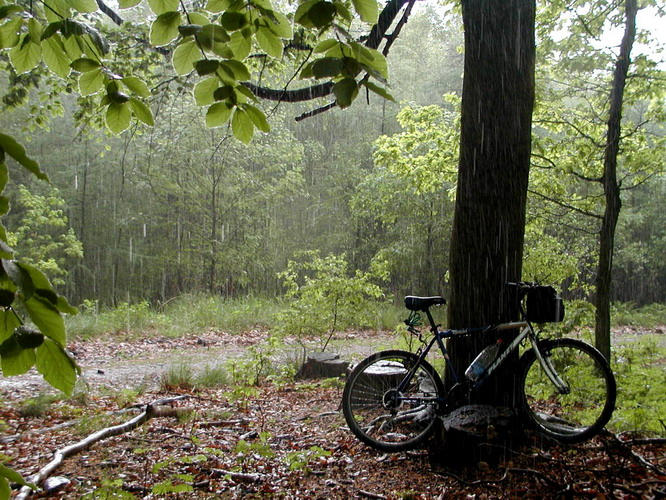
640	372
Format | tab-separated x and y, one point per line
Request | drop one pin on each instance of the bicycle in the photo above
392	399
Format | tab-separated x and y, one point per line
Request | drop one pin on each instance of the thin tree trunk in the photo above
611	186
496	122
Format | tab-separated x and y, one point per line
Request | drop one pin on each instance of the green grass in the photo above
187	314
195	314
627	314
211	377
179	376
640	371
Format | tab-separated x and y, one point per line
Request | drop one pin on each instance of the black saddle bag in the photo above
544	305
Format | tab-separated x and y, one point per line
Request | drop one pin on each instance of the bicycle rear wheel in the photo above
590	397
380	415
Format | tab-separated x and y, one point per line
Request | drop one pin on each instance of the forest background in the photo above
179	208
354	206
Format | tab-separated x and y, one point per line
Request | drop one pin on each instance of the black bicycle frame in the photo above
439	337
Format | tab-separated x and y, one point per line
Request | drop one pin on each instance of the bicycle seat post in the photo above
433	326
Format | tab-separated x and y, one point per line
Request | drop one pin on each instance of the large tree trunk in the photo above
489	220
611	186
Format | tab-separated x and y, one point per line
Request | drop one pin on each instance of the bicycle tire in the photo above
371	410
584	411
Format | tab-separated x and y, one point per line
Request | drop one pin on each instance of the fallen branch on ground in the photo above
627	449
240	477
151	411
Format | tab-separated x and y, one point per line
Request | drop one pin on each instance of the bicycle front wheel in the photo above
381	414
583	405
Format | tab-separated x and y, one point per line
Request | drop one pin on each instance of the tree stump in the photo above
476	433
322	365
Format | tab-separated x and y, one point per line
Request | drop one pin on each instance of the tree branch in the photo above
110	12
152	410
565	205
373	40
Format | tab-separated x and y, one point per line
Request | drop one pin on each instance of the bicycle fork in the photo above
548	368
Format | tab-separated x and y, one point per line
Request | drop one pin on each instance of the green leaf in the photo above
8	322
326	67
4	205
55	56
69	28
136	85
241	126
301	14
203	91
326	45
224	93
246	92
280	25
367	9
65	307
10	33
257	117
343	12
233	21
87	6
240	45
4	173
126	4
8	10
6	252
5	490
379	90
117	117
186	30
57	11
345	92
47	318
237	68
217	5
269	42
165	28
72	47
160	7
15	359
19	277
184	57
211	34
26	55
51	30
12	476
85	64
16	151
91	82
198	17
321	14
218	114
56	366
351	67
206	66
141	111
35	29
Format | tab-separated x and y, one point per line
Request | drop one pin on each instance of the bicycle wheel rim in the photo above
586	408
380	416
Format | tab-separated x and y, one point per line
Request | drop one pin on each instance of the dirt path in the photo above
112	365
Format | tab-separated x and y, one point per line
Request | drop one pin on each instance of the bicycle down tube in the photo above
526	331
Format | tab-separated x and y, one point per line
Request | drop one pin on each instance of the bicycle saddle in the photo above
422	303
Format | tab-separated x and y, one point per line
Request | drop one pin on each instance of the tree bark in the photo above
496	122
611	186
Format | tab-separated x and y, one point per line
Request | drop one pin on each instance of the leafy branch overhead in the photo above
218	42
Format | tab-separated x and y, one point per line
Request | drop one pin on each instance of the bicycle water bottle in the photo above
478	367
